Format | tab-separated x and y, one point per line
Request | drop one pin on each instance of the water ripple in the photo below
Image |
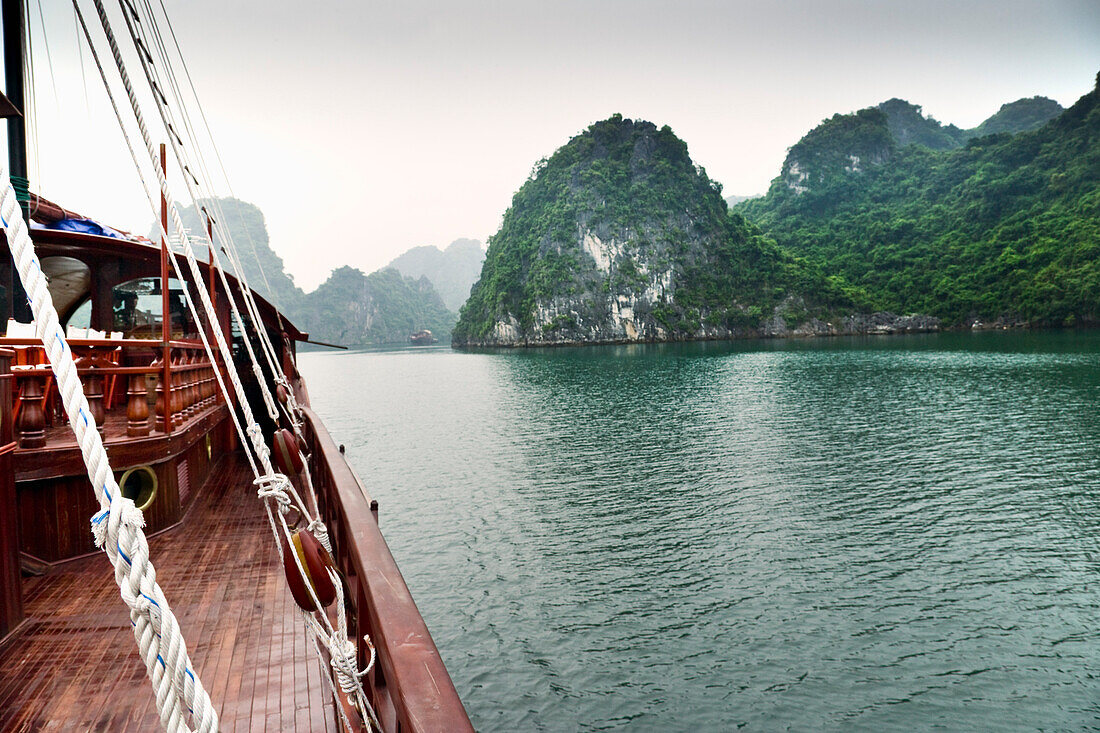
876	534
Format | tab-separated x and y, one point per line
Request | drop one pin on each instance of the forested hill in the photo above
1005	227
350	308
908	124
245	223
384	307
620	236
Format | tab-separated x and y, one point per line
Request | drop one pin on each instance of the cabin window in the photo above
69	281
137	307
81	316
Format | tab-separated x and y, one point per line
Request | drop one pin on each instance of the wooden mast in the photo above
12	13
165	305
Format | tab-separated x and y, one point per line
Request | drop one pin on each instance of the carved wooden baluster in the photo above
193	406
137	407
31	425
184	387
163	400
177	393
93	388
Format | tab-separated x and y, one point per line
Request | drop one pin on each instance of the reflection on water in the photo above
874	534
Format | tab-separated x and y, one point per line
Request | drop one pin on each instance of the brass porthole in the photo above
139	484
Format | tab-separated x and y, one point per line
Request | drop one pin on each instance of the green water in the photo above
869	534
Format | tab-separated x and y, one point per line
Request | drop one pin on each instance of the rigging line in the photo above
166	119
153	206
49	56
153	33
255	434
220	222
217	152
83	76
271	485
30	99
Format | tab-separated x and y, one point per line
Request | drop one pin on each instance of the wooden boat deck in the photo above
74	665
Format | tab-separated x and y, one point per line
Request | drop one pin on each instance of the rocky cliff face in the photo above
619	237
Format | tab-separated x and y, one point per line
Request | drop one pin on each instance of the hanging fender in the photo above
316	562
285	452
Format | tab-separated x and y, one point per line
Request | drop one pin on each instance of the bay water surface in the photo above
896	533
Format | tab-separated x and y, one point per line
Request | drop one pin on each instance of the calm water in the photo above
879	534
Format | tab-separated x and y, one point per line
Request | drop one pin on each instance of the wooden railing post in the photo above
163	405
137	407
31	425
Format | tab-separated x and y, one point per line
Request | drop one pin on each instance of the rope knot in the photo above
320	531
345	662
128	516
274	486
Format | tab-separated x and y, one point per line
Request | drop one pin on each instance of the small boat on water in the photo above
422	338
177	391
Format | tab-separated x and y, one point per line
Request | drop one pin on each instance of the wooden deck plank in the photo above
75	664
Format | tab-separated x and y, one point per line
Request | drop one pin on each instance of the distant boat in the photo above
422	338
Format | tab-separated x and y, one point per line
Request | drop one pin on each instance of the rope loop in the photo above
274	486
345	663
320	531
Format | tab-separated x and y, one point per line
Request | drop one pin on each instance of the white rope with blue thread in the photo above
273	484
117	527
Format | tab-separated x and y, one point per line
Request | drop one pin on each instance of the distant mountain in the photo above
1019	116
452	271
245	223
349	309
909	126
1004	228
734	200
353	309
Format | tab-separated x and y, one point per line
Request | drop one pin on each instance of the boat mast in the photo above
12	18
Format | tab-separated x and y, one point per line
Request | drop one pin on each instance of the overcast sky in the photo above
364	128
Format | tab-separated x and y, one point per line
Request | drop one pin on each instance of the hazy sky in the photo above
364	128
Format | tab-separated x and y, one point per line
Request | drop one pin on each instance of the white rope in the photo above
117	527
274	487
194	190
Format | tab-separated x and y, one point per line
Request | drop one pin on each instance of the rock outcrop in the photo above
620	237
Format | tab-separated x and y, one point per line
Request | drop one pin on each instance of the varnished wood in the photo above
409	686
11	600
137	407
74	664
31	425
61	455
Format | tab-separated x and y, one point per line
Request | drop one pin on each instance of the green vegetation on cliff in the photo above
1007	226
620	236
384	307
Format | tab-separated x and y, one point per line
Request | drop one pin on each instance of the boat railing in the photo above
409	686
131	387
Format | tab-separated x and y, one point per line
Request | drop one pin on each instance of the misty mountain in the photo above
350	308
452	271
